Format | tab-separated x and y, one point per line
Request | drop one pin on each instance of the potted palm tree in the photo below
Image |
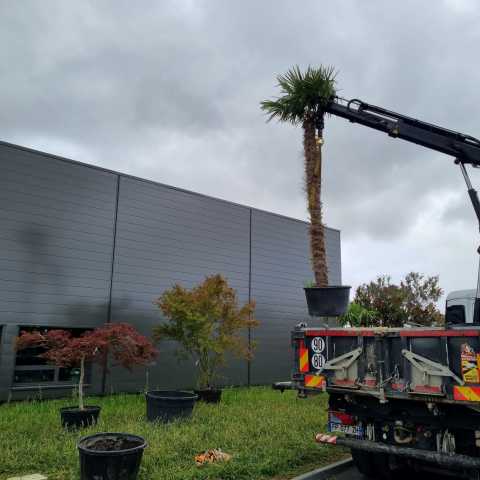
305	96
207	323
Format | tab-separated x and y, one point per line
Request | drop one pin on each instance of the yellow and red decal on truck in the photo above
466	394
315	381
303	357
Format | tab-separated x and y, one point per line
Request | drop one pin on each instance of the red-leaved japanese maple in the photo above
120	340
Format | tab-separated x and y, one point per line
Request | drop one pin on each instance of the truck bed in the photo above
403	363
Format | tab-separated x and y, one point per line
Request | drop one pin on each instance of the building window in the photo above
31	369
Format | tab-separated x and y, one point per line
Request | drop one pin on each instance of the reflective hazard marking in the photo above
314	381
466	394
303	357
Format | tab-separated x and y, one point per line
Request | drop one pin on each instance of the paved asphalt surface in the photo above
352	474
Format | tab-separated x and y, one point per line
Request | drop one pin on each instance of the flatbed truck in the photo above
402	396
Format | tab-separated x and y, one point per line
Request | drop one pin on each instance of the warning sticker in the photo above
470	372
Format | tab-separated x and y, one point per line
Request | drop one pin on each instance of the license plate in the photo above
344	423
355	430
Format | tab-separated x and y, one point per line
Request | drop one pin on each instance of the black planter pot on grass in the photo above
209	395
73	417
331	301
110	456
167	405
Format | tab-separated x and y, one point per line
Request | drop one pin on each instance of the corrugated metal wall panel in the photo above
280	268
56	249
7	363
57	223
165	236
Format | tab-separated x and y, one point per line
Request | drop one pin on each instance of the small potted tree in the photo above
304	99
207	322
120	340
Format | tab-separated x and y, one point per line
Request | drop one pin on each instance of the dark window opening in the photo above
69	374
34	376
29	368
30	356
455	315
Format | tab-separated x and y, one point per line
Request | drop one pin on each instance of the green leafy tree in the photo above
207	322
420	297
359	316
385	298
304	96
412	301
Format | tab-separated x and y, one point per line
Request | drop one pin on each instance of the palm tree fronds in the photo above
302	93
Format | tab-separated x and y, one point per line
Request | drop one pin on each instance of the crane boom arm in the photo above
463	147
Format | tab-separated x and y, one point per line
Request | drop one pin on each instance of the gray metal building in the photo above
81	246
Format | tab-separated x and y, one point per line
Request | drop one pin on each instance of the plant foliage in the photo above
207	322
120	340
303	94
412	301
359	316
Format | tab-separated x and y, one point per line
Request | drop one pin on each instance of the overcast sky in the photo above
170	91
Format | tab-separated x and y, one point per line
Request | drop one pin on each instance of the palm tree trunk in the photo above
313	178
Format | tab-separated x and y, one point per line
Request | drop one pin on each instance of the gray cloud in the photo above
170	91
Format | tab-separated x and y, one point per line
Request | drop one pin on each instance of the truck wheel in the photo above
474	475
364	461
372	465
382	466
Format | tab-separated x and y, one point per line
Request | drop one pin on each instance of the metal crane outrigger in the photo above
464	148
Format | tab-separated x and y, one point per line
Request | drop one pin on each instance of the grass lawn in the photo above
269	434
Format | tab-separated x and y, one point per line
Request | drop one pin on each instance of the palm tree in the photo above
303	101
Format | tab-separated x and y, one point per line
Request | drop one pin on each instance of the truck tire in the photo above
382	466
364	461
372	465
474	475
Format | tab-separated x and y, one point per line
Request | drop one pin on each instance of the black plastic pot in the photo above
167	405
209	395
73	417
329	301
110	456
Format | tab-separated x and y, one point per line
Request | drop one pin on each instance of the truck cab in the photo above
459	307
